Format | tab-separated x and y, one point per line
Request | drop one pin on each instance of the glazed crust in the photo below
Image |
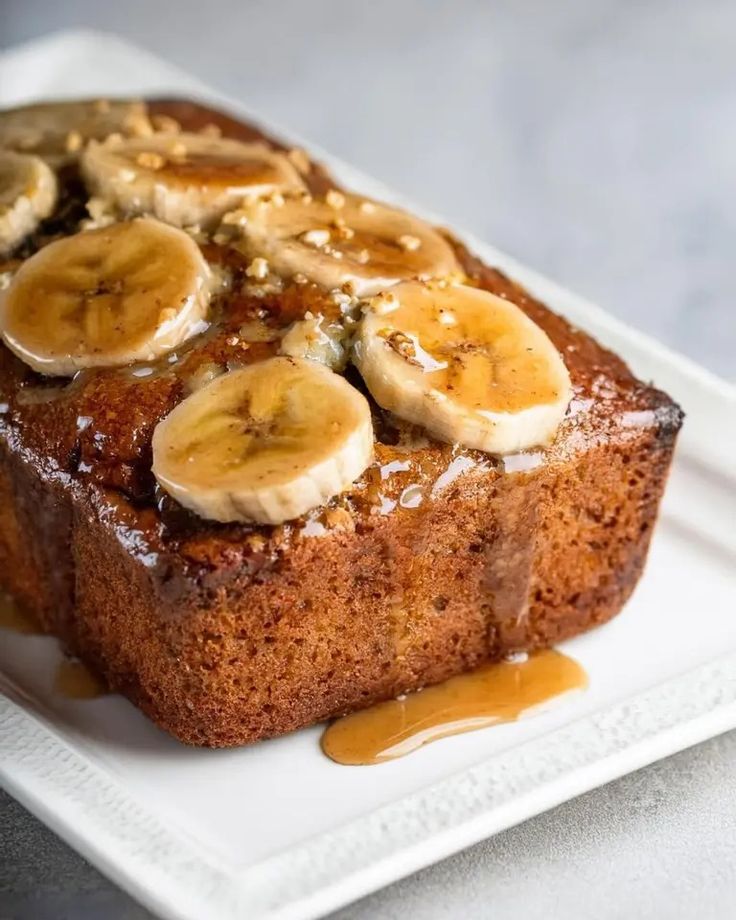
437	559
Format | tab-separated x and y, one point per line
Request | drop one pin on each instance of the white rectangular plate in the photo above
277	830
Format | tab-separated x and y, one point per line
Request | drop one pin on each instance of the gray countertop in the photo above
596	141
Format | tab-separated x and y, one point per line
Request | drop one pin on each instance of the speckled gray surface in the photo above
596	141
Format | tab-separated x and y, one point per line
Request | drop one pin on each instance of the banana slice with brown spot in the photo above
344	239
28	194
266	443
184	179
104	298
470	367
57	131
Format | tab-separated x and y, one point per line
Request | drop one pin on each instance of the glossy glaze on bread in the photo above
437	559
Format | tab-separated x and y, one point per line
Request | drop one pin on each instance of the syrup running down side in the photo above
498	692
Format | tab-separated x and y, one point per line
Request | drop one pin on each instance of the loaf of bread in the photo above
436	559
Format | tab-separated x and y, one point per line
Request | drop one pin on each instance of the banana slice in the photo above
342	238
28	193
103	298
266	443
184	179
470	367
57	131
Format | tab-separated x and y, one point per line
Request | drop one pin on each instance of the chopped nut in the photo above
232	340
178	150
400	343
367	207
258	269
221	239
256	542
363	257
316	238
73	141
342	299
149	159
300	159
300	278
339	519
211	130
138	125
342	231
335	199
126	175
166	123
409	243
384	303
235	218
98	210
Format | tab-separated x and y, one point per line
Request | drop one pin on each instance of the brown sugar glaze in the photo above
99	425
491	694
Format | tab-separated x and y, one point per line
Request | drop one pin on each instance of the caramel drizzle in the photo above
491	694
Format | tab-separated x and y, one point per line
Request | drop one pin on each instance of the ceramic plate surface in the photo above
279	831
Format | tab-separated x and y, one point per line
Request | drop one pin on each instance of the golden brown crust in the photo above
434	561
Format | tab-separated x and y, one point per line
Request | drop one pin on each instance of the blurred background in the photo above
593	139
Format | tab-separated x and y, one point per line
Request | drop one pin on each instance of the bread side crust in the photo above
493	566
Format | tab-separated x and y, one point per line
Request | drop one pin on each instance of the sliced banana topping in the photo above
28	193
343	239
184	179
470	367
266	443
57	131
103	298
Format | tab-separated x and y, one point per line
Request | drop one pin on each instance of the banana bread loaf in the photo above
436	558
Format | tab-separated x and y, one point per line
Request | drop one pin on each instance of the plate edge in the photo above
74	796
701	724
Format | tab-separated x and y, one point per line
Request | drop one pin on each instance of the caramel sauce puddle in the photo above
72	679
493	693
15	618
